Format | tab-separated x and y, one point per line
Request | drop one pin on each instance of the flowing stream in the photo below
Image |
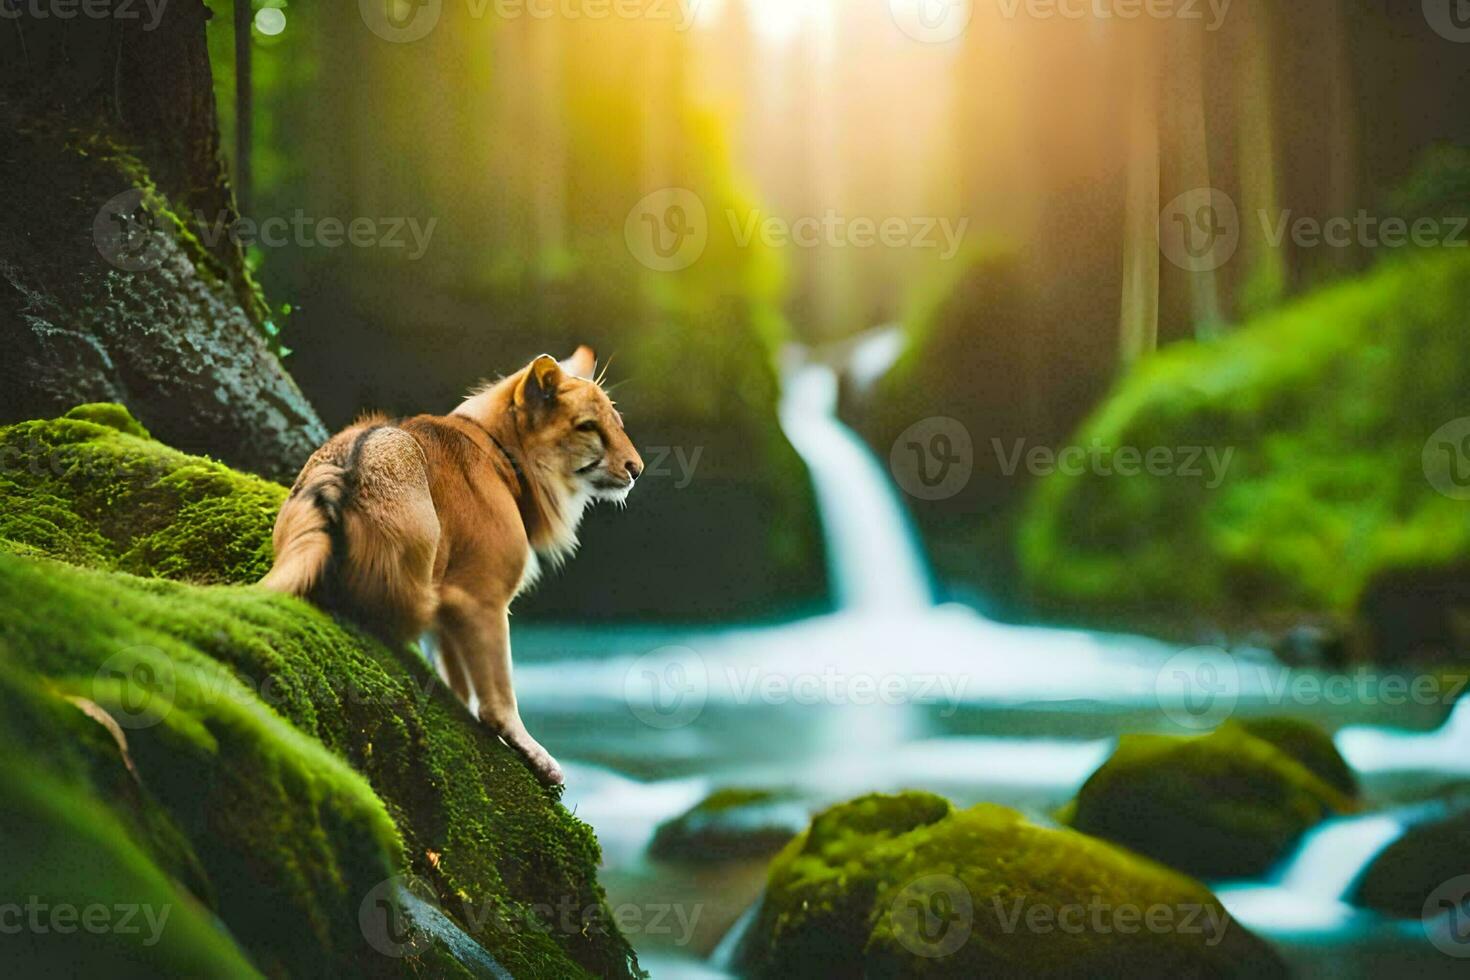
892	691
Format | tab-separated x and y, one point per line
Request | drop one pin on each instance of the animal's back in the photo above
359	531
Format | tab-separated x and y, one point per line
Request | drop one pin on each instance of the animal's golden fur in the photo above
434	523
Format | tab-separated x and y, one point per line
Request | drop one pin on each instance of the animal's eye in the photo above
587	426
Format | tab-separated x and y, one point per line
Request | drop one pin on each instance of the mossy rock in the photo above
93	489
1225	805
1309	745
1326	406
286	764
729	824
1401	879
905	885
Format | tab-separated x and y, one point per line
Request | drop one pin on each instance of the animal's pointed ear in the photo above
538	386
582	364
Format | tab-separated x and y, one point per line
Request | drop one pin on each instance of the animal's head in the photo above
571	431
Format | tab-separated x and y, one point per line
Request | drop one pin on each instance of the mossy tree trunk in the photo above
118	278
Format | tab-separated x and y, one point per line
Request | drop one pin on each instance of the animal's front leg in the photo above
479	634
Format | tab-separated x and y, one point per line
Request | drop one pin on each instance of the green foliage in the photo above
286	763
1225	805
1325	406
1438	187
842	901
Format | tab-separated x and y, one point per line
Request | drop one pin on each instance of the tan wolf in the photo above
435	523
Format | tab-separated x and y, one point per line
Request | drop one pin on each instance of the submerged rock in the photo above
1310	645
731	823
1225	805
888	886
1401	880
1417	615
239	756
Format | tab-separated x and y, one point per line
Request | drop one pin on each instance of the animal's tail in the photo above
306	528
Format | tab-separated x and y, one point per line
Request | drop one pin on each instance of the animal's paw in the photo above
537	759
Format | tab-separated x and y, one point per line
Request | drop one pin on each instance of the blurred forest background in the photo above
1053	143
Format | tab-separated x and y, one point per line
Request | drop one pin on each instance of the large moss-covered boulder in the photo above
1326	408
1225	805
1401	879
905	885
272	766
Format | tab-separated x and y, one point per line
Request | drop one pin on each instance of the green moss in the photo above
1309	745
111	415
65	852
288	763
877	885
1224	805
92	489
1325	405
287	834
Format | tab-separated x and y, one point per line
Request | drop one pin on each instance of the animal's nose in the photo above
633	469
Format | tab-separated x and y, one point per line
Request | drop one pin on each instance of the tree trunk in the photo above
117	279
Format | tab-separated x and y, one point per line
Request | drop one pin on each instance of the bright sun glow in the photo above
775	21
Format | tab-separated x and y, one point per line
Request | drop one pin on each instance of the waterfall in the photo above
873	555
1332	856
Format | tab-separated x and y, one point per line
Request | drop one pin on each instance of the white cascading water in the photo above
1334	855
873	554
